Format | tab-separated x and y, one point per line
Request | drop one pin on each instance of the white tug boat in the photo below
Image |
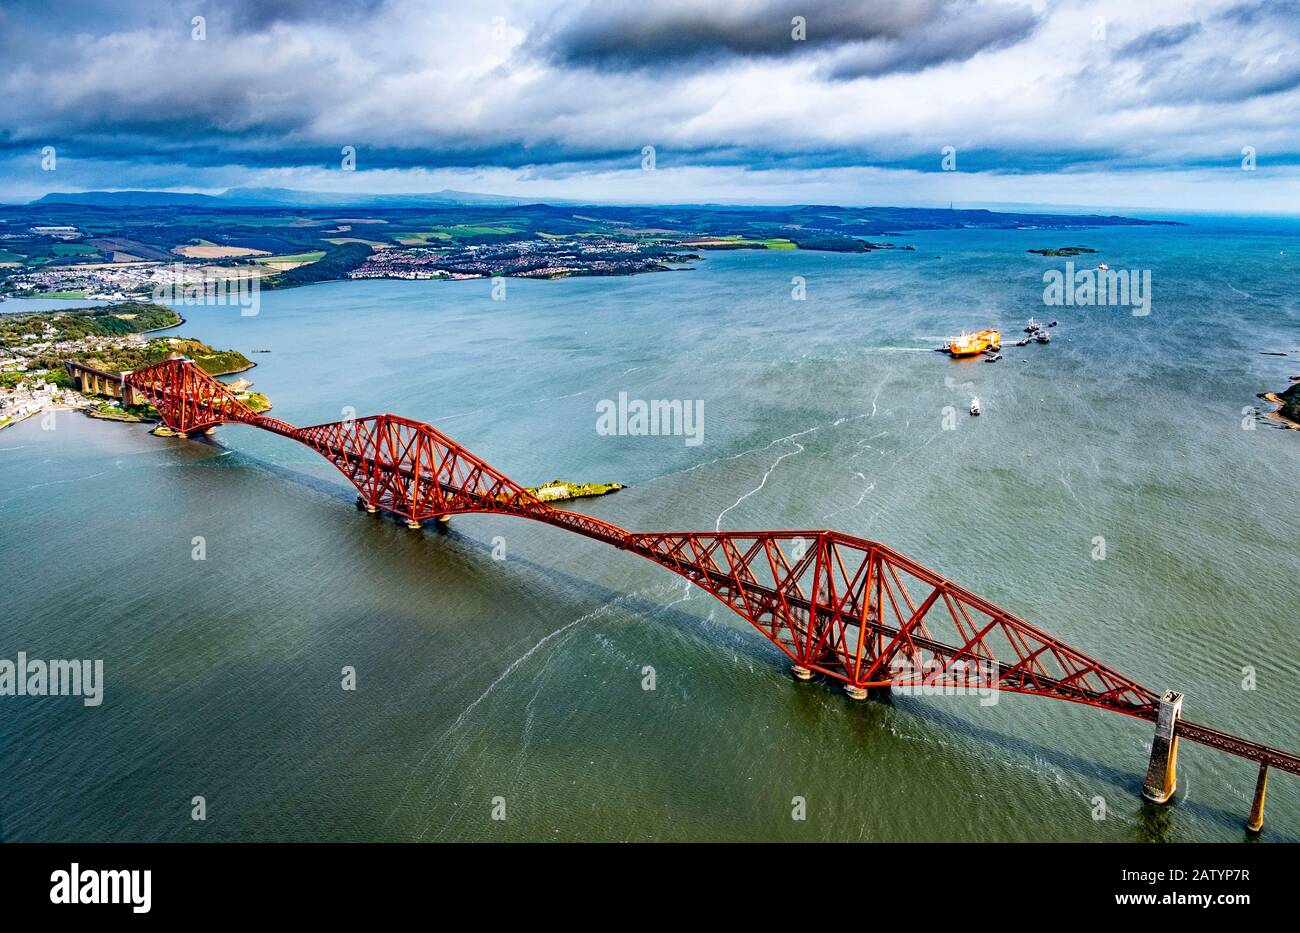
974	406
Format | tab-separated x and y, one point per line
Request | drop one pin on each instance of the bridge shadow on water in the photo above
1151	822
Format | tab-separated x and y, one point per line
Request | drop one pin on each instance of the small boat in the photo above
1032	326
1053	324
1103	267
974	406
1021	343
972	344
992	359
1043	337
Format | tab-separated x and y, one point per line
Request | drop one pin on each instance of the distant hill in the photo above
131	199
289	197
277	197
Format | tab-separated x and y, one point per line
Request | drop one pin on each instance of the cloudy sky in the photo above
1137	103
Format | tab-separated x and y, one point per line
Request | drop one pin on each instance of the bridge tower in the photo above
1162	771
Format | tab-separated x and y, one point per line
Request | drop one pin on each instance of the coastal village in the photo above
27	387
43	354
36	395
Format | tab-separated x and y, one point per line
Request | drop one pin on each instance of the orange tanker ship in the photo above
971	344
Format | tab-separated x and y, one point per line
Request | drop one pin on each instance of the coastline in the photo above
19	420
179	323
1276	414
234	372
122	416
32	414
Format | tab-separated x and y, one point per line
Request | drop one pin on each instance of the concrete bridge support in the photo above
1162	771
800	672
1256	821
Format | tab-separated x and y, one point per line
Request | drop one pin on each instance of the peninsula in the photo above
41	351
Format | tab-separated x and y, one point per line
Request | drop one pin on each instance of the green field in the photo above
453	232
472	230
295	257
744	242
73	249
421	237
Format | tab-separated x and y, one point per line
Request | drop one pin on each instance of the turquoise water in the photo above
521	679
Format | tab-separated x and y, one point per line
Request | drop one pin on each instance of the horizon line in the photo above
1007	207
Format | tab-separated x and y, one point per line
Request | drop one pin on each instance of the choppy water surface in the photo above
522	679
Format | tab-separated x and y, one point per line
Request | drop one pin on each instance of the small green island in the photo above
558	490
1063	251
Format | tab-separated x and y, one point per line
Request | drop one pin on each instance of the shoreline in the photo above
234	372
32	414
1276	414
179	323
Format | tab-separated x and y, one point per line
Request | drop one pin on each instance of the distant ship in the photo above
972	344
974	406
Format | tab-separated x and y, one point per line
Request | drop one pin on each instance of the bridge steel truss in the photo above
850	609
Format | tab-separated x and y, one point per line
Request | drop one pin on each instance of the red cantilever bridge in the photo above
847	608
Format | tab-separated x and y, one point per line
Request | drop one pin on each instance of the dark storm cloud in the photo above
879	36
253	15
1157	40
1248	14
1234	83
957	34
72	16
1245	52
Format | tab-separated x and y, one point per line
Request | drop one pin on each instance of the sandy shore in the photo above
1276	414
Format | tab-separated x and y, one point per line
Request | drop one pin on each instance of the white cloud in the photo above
428	93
